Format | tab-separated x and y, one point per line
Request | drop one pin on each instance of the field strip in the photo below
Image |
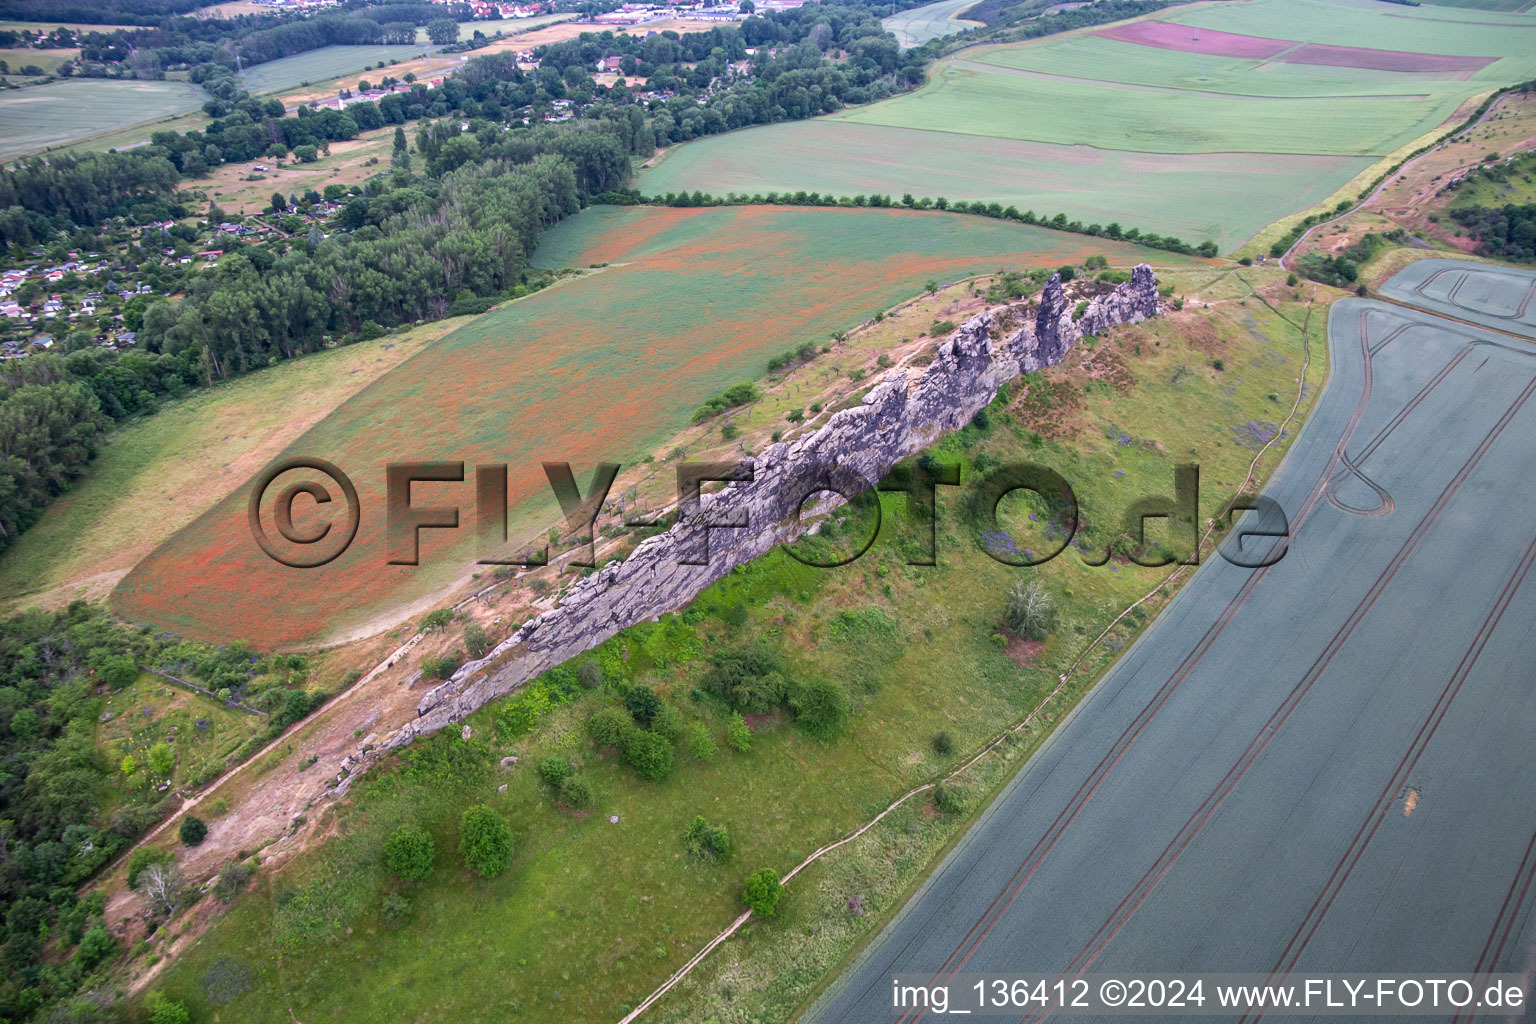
1003	69
1000	738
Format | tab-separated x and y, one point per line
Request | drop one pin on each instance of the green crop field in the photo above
56	113
1469	33
962	99
1224	197
1088	57
933	21
682	308
319	65
573	932
48	60
1203	147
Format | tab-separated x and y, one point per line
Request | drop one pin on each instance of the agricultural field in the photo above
1502	6
680	305
48	26
916	648
1069	122
1225	197
934	21
154	476
319	65
56	113
969	99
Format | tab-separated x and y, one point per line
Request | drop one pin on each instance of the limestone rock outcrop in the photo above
854	450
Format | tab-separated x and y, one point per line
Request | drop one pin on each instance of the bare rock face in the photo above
852	452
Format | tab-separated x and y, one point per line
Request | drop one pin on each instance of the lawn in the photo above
694	301
934	21
1223	197
572	932
319	65
56	113
155	475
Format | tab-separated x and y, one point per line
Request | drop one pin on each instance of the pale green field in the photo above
1224	197
60	112
961	99
48	60
934	21
319	65
1089	57
1472	33
507	26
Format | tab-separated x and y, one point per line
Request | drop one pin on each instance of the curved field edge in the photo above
776	800
679	307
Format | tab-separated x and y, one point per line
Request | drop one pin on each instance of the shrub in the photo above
821	707
590	675
643	704
575	792
96	946
737	734
700	743
948	798
649	754
192	831
485	839
606	726
476	642
166	1011
943	744
705	840
750	678
439	668
436	620
763	892
409	852
554	770
1067	272
232	878
394	910
1291	279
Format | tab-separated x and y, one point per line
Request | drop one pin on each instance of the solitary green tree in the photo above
763	892
485	839
408	853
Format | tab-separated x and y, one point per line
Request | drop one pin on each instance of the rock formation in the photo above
853	451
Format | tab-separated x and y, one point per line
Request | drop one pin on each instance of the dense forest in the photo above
1503	232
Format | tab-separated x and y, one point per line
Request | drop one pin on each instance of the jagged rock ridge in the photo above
854	450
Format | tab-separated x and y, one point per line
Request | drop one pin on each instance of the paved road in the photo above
1233	796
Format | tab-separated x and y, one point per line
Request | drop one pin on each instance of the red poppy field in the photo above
605	367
